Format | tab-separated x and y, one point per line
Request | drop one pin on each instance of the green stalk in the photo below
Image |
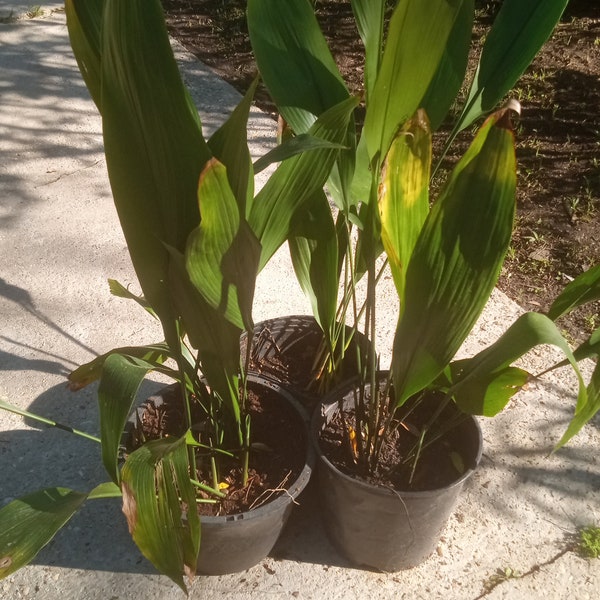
24	413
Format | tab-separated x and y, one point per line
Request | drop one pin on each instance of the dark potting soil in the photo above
439	464
277	456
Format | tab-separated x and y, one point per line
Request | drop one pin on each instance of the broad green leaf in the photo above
369	17
528	331
297	180
84	23
29	415
156	354
591	347
416	39
222	252
583	289
403	194
155	484
519	31
294	60
314	250
29	523
457	258
292	147
450	75
488	392
153	143
230	145
119	383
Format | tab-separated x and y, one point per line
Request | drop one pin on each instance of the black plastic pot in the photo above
234	543
284	350
378	527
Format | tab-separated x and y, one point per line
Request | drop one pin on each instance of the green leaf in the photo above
153	142
297	180
105	490
487	393
314	251
292	147
119	384
155	483
369	16
29	523
404	194
527	332
583	289
450	74
230	145
294	60
119	290
222	253
519	31
155	354
84	23
416	39
457	258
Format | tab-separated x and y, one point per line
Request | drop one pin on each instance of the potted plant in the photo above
197	235
444	261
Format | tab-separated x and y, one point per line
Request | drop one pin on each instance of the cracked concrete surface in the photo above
59	243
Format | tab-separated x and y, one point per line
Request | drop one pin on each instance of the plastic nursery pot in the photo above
234	543
284	351
379	527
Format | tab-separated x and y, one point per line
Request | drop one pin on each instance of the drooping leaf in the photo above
416	39
404	194
297	180
457	258
155	483
450	74
27	524
586	410
119	383
369	17
222	252
488	392
583	289
528	331
155	354
294	60
519	31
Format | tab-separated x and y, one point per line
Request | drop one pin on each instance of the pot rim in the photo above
329	406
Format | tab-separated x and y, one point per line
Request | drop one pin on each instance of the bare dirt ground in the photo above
557	230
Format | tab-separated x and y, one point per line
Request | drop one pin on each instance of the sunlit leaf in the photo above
222	252
457	258
404	195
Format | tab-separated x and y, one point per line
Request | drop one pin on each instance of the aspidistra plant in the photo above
445	260
197	234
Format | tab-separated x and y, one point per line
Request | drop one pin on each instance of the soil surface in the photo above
557	229
277	456
443	458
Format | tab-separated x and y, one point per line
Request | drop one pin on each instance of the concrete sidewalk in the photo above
60	241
